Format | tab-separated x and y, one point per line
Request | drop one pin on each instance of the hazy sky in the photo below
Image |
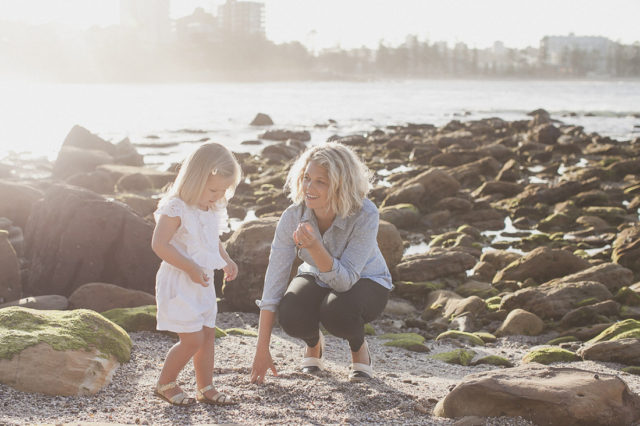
353	23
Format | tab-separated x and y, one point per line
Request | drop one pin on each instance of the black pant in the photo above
306	304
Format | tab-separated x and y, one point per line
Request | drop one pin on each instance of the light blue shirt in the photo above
351	241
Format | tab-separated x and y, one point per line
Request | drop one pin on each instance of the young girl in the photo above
189	220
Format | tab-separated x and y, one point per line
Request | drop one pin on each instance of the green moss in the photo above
550	355
562	339
410	341
494	360
616	329
493	300
632	370
486	337
626	296
220	333
462	336
369	330
631	334
134	319
457	356
586	302
241	332
80	329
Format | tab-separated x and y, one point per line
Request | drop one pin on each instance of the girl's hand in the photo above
199	276
304	236
261	363
230	271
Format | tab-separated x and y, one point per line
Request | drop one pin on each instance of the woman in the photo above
343	281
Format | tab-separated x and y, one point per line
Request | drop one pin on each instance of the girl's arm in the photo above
262	360
231	270
160	244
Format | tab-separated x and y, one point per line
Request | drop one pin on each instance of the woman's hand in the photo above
230	271
198	276
304	236
261	363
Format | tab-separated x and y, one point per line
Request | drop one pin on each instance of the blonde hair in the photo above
349	178
209	159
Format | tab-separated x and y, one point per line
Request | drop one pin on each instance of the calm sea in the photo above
167	120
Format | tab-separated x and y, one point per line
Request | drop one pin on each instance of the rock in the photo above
158	178
545	396
554	301
51	302
399	307
403	216
450	305
434	264
493	360
10	280
140	318
261	120
620	330
72	160
499	258
102	297
75	237
611	275
79	137
549	355
249	247
542	264
127	154
144	206
626	249
590	314
437	185
59	352
623	351
506	189
22	197
461	336
136	182
476	288
521	322
456	356
97	181
283	135
390	244
284	151
409	341
454	205
241	332
546	134
404	194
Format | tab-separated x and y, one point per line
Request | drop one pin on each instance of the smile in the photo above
311	197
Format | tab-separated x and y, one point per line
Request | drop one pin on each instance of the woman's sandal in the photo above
311	365
361	372
218	399
180	399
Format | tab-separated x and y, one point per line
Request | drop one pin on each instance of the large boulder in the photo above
59	352
10	283
249	247
75	237
521	322
611	275
542	264
437	185
624	351
545	396
626	249
102	297
79	137
72	160
157	177
46	302
436	263
17	201
390	243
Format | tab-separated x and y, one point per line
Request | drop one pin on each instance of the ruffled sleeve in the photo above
222	219
173	207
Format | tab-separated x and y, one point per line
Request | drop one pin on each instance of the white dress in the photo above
183	305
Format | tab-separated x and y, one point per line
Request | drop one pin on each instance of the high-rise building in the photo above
242	18
149	17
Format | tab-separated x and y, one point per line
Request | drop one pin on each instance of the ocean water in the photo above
166	121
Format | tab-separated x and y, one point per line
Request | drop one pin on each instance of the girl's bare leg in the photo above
177	357
203	361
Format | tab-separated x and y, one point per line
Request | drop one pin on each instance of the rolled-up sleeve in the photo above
283	253
362	242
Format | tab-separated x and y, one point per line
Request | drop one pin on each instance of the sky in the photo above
349	24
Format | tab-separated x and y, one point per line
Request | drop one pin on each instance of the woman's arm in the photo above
160	244
262	360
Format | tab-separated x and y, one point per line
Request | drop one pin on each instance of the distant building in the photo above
149	18
564	50
199	24
242	18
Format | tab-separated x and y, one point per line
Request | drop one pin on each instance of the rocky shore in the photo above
514	249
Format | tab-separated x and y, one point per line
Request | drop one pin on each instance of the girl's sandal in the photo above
180	399
218	399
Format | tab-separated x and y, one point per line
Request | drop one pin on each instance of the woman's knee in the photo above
292	315
340	317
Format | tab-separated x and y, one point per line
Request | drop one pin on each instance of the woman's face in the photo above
213	191
315	185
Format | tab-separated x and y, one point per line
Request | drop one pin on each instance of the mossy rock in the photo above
141	318
615	330
550	355
494	360
586	302
369	330
632	370
409	341
457	356
626	296
80	329
486	337
220	333
563	339
472	339
631	334
493	303
241	332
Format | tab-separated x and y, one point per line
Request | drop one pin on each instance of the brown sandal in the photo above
218	399
180	399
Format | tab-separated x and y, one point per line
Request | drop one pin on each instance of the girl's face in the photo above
213	191
315	185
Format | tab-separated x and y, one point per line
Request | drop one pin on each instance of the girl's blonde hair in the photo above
349	178
209	159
